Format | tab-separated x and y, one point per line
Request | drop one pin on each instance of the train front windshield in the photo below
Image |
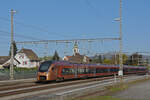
45	66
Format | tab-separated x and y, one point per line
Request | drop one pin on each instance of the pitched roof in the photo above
29	53
77	58
7	63
3	59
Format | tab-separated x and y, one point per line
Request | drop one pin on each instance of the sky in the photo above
73	19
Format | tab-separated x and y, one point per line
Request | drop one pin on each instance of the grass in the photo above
138	81
110	89
116	88
124	86
102	98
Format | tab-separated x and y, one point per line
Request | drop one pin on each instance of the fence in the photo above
19	73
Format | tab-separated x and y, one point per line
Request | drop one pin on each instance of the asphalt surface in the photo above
140	91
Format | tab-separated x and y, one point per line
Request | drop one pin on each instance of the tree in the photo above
125	59
100	59
56	56
97	59
115	59
15	49
46	58
107	61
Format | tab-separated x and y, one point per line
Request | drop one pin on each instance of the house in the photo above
66	58
27	58
7	63
3	59
76	57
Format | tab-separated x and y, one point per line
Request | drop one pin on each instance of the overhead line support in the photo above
12	47
64	41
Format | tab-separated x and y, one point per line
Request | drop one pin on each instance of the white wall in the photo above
25	61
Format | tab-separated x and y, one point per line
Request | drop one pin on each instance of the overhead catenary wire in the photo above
46	32
35	27
18	35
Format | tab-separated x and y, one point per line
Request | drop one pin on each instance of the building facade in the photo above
27	58
77	57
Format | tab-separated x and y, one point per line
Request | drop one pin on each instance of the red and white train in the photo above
61	70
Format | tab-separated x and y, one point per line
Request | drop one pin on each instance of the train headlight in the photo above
47	73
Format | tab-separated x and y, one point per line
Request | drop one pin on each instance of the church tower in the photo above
75	49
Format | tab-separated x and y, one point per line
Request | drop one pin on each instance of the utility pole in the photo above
12	48
120	51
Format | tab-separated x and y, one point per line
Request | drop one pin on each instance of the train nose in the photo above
42	76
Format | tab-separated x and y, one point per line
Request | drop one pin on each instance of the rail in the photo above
77	92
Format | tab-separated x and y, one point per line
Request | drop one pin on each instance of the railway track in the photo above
33	88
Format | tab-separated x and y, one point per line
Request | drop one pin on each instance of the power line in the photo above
4	37
4	19
18	35
33	27
41	29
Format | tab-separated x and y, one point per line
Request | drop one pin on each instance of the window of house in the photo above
25	62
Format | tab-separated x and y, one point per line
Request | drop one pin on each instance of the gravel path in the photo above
139	91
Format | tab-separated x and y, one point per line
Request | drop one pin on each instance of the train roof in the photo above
97	65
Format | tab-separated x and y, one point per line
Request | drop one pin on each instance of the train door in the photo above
54	73
75	73
94	71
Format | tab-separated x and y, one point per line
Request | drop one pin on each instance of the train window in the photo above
125	70
45	66
81	70
53	69
86	70
98	70
68	71
104	70
91	70
71	71
114	70
63	71
111	70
